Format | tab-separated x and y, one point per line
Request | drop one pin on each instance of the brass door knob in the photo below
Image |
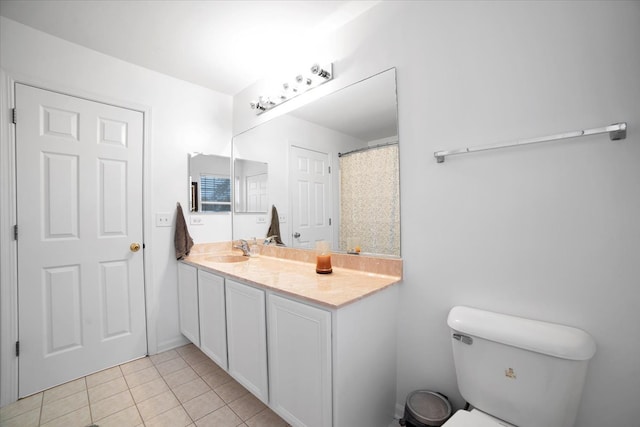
135	247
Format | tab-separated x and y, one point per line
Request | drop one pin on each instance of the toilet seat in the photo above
474	418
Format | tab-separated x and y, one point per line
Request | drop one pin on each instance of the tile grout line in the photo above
226	404
131	394
129	390
172	392
194	362
41	407
212	389
86	387
135	404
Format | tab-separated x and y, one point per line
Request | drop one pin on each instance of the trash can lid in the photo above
429	407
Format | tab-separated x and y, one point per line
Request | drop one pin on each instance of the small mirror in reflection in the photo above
210	183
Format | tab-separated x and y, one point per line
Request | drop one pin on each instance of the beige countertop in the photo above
298	278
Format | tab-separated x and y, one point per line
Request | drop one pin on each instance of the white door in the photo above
310	184
79	208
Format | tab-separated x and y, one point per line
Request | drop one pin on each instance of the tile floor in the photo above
177	388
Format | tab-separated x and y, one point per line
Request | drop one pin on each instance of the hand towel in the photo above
182	239
274	228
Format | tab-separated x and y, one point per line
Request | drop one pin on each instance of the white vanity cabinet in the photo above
247	337
212	315
322	367
300	362
188	302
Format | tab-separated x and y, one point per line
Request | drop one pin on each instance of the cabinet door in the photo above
213	327
188	302
300	362
247	337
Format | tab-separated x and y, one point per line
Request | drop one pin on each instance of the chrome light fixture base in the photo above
317	75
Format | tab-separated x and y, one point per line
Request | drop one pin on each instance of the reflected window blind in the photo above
215	193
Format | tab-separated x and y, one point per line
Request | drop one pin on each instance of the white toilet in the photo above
515	371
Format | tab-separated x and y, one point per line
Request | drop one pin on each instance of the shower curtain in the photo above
370	200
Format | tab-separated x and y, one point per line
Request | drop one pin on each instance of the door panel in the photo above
300	362
115	289
247	337
112	186
213	319
60	196
62	309
79	207
188	302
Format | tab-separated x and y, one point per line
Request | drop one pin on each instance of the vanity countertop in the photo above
299	279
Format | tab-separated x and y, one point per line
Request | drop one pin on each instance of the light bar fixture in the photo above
317	75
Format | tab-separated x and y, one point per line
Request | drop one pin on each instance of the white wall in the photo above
548	231
184	118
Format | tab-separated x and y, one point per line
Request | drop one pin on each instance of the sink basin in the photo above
228	258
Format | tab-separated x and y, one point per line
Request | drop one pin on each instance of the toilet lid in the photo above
474	418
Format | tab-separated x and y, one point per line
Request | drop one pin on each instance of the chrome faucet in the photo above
269	239
244	246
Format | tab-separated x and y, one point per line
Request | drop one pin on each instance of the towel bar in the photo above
616	131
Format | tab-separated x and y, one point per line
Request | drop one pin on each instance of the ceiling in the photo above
221	45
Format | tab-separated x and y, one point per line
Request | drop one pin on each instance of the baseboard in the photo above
171	344
399	410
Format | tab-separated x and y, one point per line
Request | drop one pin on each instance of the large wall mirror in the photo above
333	171
209	183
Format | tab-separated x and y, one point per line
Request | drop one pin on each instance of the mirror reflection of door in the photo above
310	184
257	193
251	186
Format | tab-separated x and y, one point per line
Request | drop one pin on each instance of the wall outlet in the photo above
163	219
195	220
282	218
261	220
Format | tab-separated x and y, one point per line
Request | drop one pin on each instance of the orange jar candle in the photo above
323	258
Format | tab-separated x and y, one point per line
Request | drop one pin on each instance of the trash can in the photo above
425	408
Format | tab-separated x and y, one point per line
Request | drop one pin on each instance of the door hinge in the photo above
15	232
14	116
17	348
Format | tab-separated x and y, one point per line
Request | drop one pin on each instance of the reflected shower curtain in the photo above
370	200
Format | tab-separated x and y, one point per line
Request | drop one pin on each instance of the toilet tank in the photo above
526	372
